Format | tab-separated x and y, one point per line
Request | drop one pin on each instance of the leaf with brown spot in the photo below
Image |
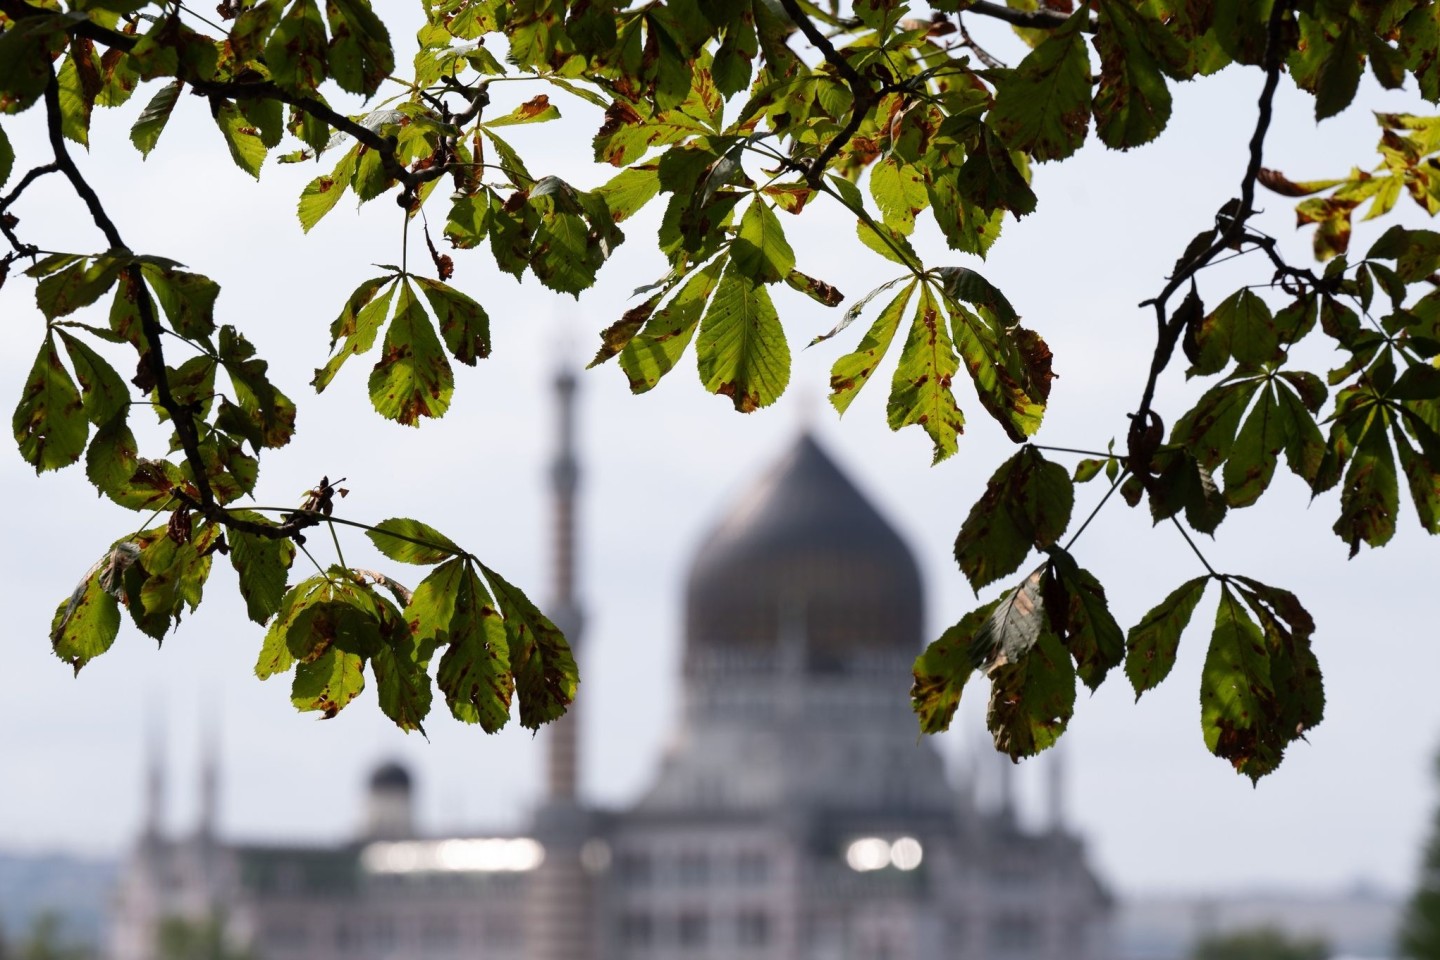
475	670
1151	644
49	422
817	290
412	378
540	660
1026	505
742	350
86	623
537	109
920	389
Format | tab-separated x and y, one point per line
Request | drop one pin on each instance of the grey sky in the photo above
659	469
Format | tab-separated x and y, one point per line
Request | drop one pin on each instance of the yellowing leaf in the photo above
742	349
412	378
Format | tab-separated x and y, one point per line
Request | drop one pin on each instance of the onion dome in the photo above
804	563
390	776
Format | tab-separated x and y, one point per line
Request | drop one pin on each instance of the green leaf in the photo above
920	390
49	422
1423	478
412	378
359	322
565	255
7	158
1043	106
26	52
1026	505
742	350
246	147
1370	497
475	671
147	129
360	55
269	415
1151	645
1132	103
295	52
1236	691
1251	464
629	190
1032	680
537	109
275	656
654	351
943	669
262	564
1009	365
432	604
1185	484
540	660
1080	616
1208	429
818	290
321	194
990	179
887	242
1241	327
410	541
464	325
402	681
328	683
1304	444
175	579
86	623
104	394
899	192
760	251
853	371
79	83
79	284
188	299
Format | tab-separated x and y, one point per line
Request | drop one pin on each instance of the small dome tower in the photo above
390	813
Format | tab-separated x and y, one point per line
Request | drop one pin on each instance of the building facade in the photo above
796	815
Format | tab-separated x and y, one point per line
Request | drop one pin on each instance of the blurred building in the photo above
796	814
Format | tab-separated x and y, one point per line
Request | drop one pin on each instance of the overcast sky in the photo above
1159	812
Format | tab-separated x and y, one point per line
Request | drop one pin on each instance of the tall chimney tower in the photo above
563	761
559	908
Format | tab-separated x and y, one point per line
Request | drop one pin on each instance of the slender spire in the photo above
1055	788
209	780
154	775
564	772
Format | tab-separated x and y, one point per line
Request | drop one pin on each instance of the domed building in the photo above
796	814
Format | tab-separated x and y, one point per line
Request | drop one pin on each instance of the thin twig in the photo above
1171	326
1083	453
862	94
1114	485
1181	527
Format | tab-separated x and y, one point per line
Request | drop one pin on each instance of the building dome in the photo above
803	563
390	776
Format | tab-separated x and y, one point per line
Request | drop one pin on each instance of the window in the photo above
693	930
1014	933
753	929
635	868
752	867
637	930
694	868
440	935
285	935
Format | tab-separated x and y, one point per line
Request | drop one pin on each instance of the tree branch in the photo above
1042	19
1171	326
863	95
